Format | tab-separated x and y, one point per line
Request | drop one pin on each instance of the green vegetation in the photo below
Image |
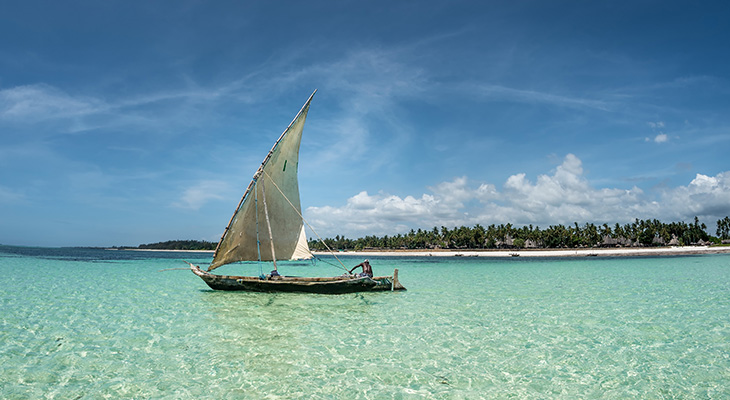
640	233
180	245
723	228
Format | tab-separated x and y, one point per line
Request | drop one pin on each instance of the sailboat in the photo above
268	226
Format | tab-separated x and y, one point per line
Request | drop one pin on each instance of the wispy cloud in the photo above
504	93
368	87
31	105
41	102
196	196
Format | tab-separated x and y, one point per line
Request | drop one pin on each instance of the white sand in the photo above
648	251
612	252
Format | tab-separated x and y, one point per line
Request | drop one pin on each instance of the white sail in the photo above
247	236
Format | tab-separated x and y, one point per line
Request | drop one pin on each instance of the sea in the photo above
80	323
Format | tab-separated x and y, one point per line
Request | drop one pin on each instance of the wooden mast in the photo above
268	224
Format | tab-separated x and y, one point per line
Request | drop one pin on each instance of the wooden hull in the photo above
334	285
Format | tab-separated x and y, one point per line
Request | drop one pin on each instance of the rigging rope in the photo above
315	258
305	221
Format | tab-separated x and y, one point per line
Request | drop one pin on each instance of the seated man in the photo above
367	270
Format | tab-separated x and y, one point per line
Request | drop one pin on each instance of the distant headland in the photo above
188	245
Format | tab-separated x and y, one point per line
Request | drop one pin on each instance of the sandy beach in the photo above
612	252
589	252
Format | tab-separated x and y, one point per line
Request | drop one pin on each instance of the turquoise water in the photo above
93	324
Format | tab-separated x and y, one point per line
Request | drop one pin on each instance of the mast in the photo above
268	224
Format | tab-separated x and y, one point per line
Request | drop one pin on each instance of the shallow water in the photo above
88	324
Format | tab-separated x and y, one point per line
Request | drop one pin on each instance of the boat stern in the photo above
396	282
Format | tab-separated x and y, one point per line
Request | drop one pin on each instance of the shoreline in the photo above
590	252
612	252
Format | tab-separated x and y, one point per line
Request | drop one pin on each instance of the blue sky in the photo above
133	122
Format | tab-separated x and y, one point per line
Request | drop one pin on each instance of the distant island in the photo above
179	245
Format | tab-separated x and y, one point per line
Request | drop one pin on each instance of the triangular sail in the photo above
279	169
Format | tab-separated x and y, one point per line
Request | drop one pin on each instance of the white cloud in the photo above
704	196
660	137
454	193
562	197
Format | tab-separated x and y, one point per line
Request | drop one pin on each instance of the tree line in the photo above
640	233
180	245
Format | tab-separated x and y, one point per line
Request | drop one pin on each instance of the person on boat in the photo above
367	270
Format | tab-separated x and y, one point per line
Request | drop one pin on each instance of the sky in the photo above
124	123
